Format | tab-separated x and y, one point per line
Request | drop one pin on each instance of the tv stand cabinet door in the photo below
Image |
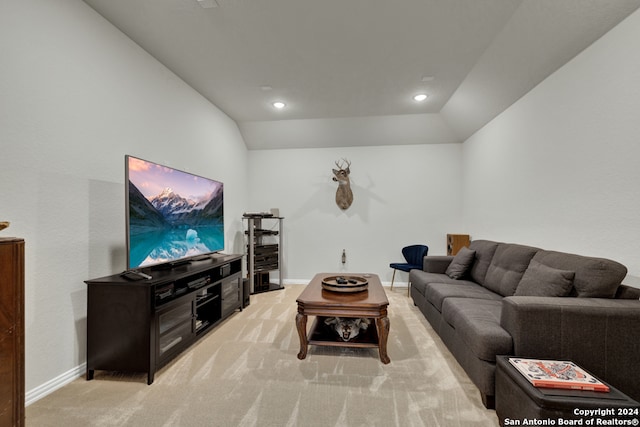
119	329
175	329
231	295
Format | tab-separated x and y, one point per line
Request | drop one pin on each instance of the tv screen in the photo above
171	215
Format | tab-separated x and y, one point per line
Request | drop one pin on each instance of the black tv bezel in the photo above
178	261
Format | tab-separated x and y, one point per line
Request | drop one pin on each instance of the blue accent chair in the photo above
413	255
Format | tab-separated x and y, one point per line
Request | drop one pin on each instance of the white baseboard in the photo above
54	384
295	281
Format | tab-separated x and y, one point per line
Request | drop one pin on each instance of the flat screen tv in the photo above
172	216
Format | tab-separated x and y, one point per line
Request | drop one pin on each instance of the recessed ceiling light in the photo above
420	97
428	78
279	105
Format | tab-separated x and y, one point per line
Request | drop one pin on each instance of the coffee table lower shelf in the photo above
321	334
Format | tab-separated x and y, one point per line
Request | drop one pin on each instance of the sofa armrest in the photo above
436	263
602	335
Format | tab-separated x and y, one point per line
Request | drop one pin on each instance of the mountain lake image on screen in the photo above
171	215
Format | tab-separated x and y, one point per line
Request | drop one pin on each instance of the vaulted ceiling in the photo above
347	69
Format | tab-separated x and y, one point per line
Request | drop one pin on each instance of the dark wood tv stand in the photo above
140	325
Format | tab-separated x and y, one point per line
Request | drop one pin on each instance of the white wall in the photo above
76	95
560	168
402	195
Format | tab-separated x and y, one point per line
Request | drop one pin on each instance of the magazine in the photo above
557	374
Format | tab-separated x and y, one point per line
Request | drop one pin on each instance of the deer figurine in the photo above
344	195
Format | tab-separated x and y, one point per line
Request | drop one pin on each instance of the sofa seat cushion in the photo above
436	293
420	279
477	323
507	267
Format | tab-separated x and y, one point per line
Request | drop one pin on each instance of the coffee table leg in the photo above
383	334
301	324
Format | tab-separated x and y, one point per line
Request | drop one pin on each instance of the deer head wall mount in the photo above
344	195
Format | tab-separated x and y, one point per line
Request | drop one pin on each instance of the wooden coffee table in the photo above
371	303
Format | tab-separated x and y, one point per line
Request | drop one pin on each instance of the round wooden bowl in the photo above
354	284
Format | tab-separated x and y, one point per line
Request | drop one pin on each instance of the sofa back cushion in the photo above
484	254
594	278
627	292
509	263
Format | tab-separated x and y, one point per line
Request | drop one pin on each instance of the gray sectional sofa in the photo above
498	298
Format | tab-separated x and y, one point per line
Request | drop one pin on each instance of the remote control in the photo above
135	275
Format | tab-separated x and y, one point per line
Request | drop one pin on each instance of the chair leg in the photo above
393	277
408	287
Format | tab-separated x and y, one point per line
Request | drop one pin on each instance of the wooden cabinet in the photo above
139	326
11	332
457	241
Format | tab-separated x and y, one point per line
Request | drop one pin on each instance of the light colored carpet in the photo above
246	373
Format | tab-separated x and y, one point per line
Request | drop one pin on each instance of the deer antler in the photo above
340	165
